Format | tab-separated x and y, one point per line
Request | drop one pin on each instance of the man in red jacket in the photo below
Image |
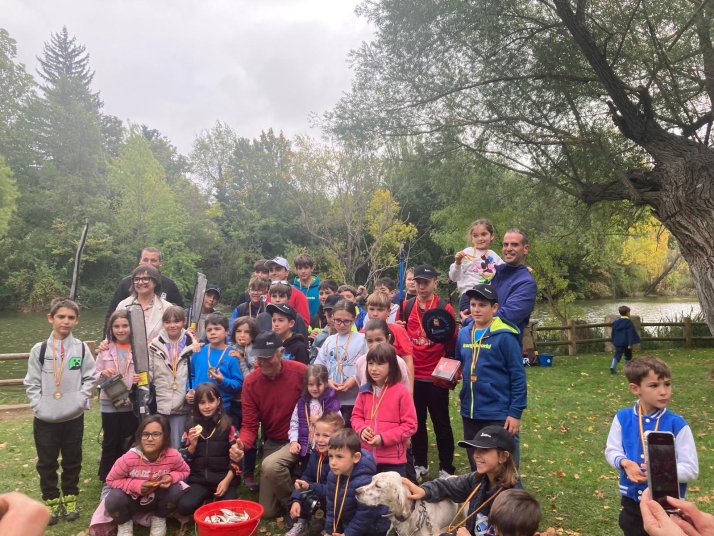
269	396
278	270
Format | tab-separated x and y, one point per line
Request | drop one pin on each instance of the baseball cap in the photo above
330	301
283	308
279	261
265	344
491	437
483	291
213	288
425	271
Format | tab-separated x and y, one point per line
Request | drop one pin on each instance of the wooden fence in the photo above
572	329
20	357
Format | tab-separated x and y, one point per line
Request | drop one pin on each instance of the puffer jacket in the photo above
356	518
316	482
169	401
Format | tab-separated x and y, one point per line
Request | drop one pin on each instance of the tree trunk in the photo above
667	269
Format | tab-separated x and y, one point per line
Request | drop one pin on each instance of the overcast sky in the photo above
180	65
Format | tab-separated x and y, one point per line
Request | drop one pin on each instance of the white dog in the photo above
409	517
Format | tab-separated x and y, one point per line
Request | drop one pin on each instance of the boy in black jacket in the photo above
283	321
624	336
312	486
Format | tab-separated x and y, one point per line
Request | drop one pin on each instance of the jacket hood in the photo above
314	282
296	337
366	466
501	325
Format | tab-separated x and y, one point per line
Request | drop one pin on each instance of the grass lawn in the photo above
563	433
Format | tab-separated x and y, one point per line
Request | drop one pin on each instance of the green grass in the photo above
571	407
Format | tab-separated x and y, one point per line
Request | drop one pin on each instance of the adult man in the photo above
513	282
269	398
149	256
278	270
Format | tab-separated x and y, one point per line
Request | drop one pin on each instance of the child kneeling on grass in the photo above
146	479
495	472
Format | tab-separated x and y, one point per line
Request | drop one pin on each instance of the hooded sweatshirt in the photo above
133	468
170	401
310	291
75	386
499	390
517	293
296	349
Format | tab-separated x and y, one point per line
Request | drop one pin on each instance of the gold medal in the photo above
474	378
212	370
174	386
319	514
198	428
57	394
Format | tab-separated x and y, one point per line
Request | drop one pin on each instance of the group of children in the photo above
357	411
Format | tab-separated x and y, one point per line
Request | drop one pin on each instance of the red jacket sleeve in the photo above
249	429
407	420
119	477
299	303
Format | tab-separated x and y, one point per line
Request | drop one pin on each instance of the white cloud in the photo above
179	65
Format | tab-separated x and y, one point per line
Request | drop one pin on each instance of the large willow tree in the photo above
605	100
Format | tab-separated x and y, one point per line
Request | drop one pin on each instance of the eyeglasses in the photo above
342	321
153	435
256	291
143	279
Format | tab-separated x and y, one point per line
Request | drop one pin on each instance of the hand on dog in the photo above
415	492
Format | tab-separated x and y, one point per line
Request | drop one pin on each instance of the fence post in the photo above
687	332
573	347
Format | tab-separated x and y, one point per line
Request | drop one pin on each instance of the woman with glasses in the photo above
145	479
339	353
146	291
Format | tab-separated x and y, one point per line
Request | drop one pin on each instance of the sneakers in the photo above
444	474
250	483
158	526
56	509
421	471
299	529
126	529
71	510
612	371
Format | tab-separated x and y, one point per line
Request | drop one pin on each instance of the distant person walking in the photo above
150	256
624	337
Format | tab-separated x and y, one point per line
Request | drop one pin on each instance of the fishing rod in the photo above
77	261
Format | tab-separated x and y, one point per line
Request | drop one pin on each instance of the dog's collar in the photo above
402	519
423	517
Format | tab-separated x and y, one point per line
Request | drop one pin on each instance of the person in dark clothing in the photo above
283	321
171	293
624	337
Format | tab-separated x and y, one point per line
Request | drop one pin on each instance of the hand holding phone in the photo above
661	459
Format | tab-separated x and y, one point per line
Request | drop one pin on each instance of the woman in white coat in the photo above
146	291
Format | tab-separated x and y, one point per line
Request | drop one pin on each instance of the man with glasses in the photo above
150	256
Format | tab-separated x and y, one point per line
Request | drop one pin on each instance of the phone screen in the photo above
662	467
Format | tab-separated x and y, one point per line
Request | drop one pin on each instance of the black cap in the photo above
213	288
425	271
265	344
283	308
491	437
330	301
483	291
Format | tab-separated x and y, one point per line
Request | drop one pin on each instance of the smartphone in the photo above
662	468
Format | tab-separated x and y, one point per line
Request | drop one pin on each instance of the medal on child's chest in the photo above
55	373
174	386
211	369
474	378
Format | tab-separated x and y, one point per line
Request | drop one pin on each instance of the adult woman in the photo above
146	291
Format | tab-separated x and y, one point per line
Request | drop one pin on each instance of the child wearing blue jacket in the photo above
351	468
624	337
314	478
214	364
494	390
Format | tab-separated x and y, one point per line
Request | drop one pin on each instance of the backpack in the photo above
43	349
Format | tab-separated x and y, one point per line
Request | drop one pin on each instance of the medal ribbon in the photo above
642	430
127	362
319	467
474	351
310	426
453	527
379	402
174	357
336	517
219	359
339	360
213	432
420	316
57	379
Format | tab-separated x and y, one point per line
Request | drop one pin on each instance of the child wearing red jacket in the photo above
384	415
146	479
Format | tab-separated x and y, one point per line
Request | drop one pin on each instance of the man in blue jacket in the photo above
513	282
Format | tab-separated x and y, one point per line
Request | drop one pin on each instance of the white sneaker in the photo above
444	475
158	526
421	471
126	529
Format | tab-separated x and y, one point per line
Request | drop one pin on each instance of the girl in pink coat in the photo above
384	415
